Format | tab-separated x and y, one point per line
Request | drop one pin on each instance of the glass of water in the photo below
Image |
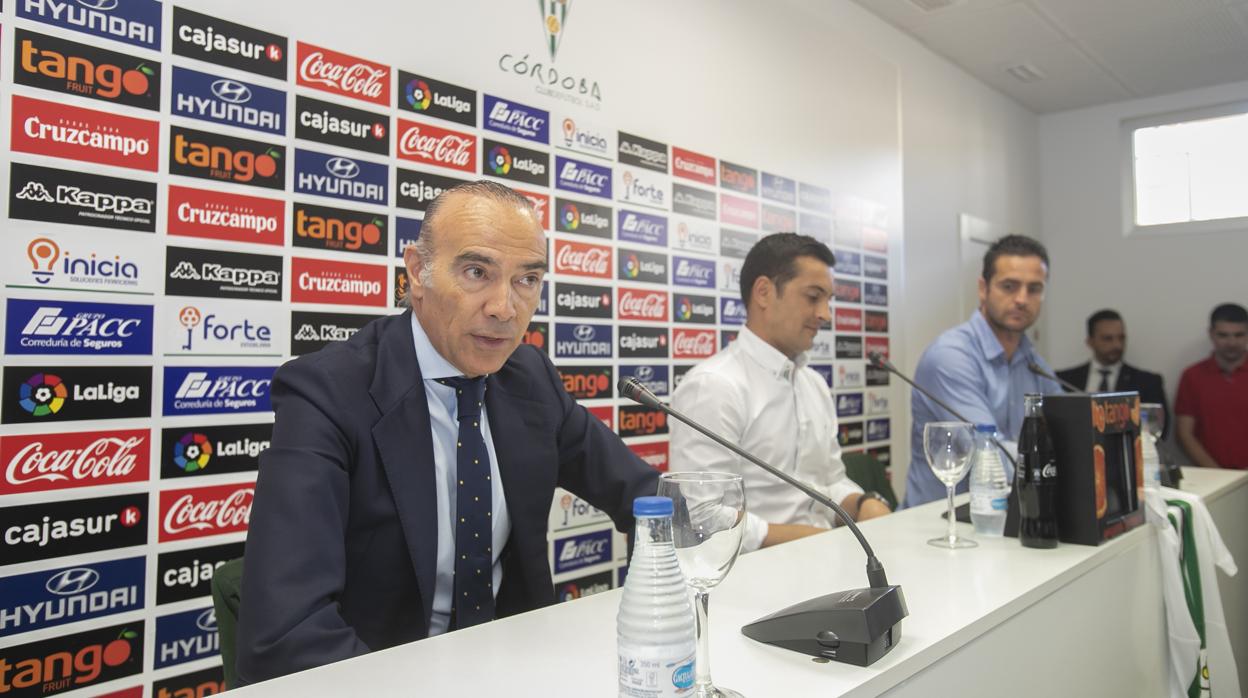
949	447
708	521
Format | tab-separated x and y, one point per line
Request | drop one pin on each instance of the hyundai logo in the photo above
207	621
72	581
100	5
344	168
584	333
645	373
230	91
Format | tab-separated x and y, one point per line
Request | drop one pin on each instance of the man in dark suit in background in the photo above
1107	372
408	485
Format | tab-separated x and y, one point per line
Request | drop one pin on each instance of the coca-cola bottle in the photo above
1037	478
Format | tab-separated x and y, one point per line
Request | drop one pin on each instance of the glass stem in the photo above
952	534
702	667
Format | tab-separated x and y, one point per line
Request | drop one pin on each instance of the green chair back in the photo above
227	583
870	474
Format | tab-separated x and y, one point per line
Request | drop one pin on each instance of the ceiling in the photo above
1086	51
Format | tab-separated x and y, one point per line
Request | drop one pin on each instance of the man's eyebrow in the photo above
535	265
475	257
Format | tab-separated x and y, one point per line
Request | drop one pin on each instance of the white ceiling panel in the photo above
1090	51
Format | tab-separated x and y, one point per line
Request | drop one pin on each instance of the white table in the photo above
995	620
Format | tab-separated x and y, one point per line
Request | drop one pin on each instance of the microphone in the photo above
877	359
857	626
1070	387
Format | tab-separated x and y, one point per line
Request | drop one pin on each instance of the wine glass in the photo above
1153	419
708	521
949	447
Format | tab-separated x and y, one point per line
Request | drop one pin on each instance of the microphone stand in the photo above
1070	387
857	626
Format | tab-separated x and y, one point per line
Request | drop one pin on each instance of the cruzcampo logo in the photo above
555	17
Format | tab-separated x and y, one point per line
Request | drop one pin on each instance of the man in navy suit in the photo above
1107	372
412	468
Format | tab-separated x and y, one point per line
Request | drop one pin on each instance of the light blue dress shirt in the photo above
966	368
444	425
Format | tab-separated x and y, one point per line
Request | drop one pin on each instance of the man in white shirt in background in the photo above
760	394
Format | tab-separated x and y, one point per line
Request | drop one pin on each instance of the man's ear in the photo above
1088	342
983	291
763	292
414	263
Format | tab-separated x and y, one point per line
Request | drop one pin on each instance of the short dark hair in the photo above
1228	312
775	258
1101	316
1013	245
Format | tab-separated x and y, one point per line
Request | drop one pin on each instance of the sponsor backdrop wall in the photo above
198	191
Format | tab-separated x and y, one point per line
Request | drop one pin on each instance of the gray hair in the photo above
480	188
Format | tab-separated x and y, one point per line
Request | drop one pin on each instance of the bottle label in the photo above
656	672
988	503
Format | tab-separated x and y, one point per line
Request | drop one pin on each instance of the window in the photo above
1191	175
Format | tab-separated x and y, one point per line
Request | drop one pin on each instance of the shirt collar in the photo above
432	364
1097	366
988	341
769	357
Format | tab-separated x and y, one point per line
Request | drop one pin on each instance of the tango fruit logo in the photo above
215	156
192	452
65	664
43	394
500	160
77	69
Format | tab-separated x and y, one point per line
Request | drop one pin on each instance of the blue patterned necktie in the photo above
474	562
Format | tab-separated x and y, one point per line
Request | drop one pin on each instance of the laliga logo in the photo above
72	581
685	309
632	266
584	333
43	254
554	20
42	394
418	94
192	452
571	216
230	91
500	160
343	168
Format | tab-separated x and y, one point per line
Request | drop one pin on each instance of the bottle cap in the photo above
986	428
652	506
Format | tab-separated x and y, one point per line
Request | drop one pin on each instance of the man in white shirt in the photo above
760	394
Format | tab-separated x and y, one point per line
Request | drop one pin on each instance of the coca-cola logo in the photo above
45	462
437	146
693	345
642	305
342	74
206	511
583	260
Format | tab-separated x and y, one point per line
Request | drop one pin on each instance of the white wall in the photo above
966	148
1164	286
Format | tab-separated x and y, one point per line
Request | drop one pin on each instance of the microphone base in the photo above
855	627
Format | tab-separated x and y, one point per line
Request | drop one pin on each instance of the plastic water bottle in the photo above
990	490
1152	461
655	632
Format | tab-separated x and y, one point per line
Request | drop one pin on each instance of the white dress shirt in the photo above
444	423
777	409
1094	375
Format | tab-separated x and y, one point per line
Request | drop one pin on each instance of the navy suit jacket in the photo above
342	542
1148	385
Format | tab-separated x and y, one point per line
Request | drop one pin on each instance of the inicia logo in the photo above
43	394
192	452
500	160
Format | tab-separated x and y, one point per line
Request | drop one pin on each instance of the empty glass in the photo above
949	447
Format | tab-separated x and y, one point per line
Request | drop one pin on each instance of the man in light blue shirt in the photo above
980	368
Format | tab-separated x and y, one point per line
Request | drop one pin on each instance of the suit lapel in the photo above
513	420
404	439
1126	381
